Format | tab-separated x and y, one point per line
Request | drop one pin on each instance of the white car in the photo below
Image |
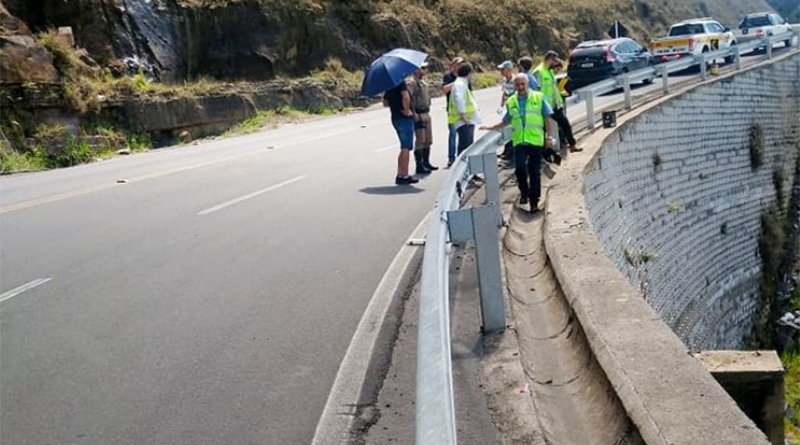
693	37
764	24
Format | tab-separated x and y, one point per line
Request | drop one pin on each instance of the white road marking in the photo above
25	287
337	418
385	149
250	195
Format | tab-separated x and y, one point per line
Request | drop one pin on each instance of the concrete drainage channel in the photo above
574	400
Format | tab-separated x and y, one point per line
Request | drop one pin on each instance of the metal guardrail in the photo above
435	411
435	408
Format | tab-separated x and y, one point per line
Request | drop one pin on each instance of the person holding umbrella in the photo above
388	73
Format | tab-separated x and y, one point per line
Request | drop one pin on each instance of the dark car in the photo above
595	61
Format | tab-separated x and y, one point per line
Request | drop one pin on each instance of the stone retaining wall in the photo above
613	198
676	200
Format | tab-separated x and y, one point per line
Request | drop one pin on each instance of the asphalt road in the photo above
200	294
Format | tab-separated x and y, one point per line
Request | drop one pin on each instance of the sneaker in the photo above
450	162
422	170
523	201
575	149
407	180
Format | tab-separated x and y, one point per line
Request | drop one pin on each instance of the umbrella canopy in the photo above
388	70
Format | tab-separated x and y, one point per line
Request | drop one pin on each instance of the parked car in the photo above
693	37
763	24
595	61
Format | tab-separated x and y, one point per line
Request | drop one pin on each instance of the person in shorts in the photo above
398	99
421	106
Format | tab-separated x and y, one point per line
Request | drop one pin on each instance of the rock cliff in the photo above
259	39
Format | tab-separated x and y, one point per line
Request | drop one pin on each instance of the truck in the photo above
763	24
693	37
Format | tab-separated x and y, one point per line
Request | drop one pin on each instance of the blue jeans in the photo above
451	142
404	126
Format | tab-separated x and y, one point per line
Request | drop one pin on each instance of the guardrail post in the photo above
703	67
487	164
768	46
737	57
479	224
589	109
665	78
626	87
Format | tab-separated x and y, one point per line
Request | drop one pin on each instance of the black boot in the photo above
421	168
426	159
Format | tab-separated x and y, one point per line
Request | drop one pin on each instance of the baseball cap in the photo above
507	65
457	61
424	64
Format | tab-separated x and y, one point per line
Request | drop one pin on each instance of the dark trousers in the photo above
466	136
564	127
528	160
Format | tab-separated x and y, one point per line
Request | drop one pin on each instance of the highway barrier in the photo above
435	410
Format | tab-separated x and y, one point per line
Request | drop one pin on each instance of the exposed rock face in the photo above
21	58
259	39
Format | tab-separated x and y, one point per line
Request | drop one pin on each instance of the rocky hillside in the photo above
789	9
259	39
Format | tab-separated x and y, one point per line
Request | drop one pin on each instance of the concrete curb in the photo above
670	397
361	372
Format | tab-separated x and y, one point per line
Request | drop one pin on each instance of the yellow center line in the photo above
97	188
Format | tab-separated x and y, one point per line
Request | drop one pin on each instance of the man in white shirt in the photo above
464	113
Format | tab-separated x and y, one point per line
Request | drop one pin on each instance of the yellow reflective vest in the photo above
530	132
452	111
549	86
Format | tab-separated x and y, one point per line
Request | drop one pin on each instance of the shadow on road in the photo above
389	190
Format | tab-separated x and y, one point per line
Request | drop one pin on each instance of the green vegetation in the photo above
485	80
789	9
779	182
57	147
791	363
756	146
273	118
771	248
335	73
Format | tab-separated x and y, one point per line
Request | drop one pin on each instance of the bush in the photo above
485	80
756	146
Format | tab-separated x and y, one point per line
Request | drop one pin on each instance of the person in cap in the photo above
421	107
529	116
398	99
546	77
507	85
525	67
462	110
447	85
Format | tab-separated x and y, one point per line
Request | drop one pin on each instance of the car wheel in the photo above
648	81
730	59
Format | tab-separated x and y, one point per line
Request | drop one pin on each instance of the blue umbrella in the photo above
388	70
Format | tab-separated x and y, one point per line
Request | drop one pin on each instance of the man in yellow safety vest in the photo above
529	115
462	110
549	87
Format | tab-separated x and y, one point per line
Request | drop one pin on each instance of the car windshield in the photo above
686	30
755	21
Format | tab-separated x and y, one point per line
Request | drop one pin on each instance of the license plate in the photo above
587	65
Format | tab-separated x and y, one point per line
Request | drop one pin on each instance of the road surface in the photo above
200	294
